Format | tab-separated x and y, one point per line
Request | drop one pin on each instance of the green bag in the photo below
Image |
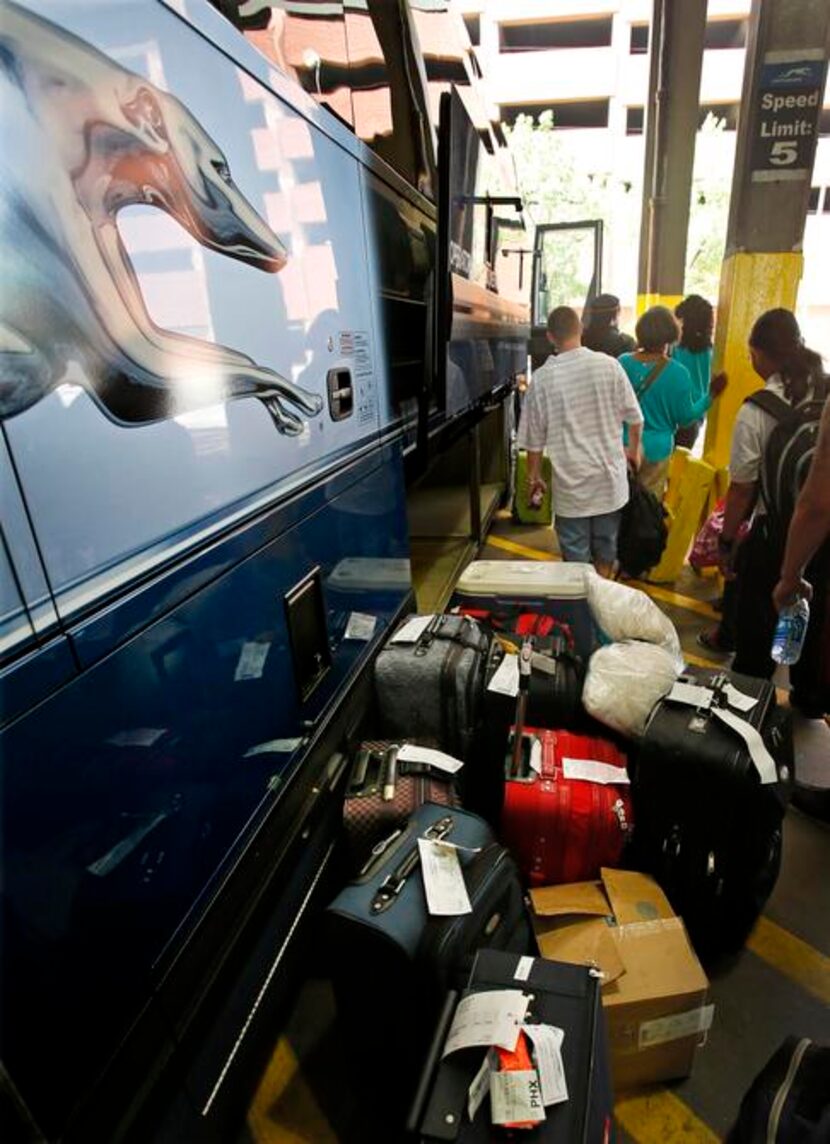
523	512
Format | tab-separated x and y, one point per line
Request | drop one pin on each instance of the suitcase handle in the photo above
432	1063
393	883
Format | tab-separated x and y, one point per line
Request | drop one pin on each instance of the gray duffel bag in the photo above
432	685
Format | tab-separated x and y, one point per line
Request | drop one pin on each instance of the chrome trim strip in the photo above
264	988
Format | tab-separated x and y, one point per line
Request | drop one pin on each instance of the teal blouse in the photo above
668	403
699	366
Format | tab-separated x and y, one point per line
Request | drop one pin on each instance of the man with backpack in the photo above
773	444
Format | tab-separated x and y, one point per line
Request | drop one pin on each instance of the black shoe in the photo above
711	639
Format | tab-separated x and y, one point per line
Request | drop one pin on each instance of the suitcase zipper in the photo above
476	880
784	1091
393	883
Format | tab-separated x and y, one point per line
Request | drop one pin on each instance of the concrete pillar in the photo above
677	34
786	67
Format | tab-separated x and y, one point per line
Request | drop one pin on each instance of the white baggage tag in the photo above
691	694
763	760
738	700
412	753
592	771
493	1017
443	879
360	626
516	1096
505	680
547	1041
251	662
412	630
479	1087
273	747
536	755
523	969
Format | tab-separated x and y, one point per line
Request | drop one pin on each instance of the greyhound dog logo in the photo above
82	138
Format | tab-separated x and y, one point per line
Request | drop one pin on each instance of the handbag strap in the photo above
651	377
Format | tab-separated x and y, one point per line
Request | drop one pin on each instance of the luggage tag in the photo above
413	629
444	885
429	758
516	1088
493	1017
547	1045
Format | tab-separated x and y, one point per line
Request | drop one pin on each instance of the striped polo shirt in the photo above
576	408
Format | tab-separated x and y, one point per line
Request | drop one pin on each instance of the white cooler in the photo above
505	588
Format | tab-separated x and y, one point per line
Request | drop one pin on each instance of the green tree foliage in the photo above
562	184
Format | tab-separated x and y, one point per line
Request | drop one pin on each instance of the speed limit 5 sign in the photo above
786	115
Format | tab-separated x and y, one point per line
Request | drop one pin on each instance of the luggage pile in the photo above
547	778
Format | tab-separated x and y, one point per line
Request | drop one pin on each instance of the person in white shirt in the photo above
576	409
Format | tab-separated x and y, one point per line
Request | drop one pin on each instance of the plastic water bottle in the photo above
790	632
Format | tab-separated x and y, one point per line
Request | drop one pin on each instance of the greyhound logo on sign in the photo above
83	138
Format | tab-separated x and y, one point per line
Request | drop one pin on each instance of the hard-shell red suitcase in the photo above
564	829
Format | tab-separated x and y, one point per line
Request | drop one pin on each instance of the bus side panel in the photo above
127	793
184	265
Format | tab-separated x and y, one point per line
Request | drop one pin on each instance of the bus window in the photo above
307	41
359	58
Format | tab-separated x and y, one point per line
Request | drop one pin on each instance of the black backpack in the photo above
643	531
789	1100
788	453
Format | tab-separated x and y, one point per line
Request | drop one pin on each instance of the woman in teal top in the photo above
697	320
665	391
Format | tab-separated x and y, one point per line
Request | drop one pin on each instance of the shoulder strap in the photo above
771	403
652	376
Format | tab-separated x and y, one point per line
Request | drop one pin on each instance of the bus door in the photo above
567	271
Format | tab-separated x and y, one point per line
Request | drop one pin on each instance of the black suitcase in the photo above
708	830
789	1100
431	687
566	996
392	963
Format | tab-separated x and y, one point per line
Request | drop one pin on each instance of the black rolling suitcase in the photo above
392	962
565	996
709	816
429	685
789	1100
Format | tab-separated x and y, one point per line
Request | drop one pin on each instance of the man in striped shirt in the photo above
576	408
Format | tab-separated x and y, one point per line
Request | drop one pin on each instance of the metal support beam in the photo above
786	67
677	34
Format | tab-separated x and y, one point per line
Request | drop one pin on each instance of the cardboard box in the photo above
654	989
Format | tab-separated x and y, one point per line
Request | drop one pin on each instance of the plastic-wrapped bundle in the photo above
624	682
625	613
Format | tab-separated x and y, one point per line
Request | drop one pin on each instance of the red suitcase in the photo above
564	829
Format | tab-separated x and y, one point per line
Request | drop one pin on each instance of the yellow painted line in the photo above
797	960
664	594
284	1109
688	603
702	661
660	1117
519	549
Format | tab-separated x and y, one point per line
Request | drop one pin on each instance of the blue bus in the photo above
249	293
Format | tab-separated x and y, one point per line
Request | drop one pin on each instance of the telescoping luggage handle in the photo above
525	659
393	883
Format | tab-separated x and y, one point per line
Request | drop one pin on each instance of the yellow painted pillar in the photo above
750	284
646	301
